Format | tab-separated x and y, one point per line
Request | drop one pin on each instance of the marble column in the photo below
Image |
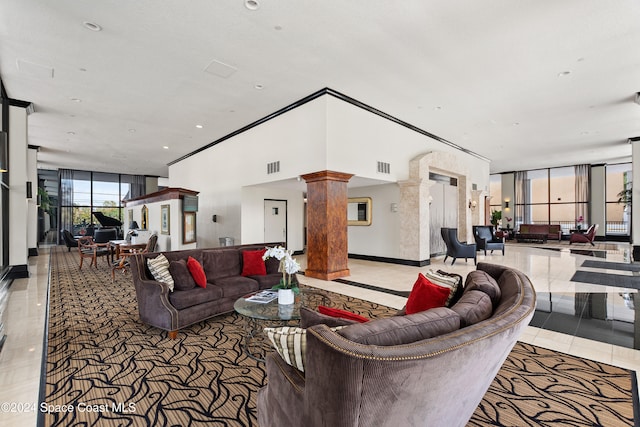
327	249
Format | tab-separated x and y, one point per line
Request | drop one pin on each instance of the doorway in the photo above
444	210
275	221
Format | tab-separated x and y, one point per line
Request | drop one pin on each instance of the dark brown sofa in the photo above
167	310
539	232
436	381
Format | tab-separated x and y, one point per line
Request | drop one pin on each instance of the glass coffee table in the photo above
260	315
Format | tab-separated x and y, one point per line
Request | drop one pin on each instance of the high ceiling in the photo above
527	84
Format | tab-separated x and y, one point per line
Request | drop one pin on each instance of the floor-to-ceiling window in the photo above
618	179
85	192
551	197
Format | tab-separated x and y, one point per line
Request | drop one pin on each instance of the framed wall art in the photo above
188	227
165	219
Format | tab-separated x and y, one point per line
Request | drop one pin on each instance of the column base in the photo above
327	275
636	253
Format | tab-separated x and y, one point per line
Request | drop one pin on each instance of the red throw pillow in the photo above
197	272
253	264
426	295
343	314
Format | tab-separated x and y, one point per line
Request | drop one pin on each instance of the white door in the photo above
275	221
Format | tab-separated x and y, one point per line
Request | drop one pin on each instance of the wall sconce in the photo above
214	218
472	204
394	207
506	204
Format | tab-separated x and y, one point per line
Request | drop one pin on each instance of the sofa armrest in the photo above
154	306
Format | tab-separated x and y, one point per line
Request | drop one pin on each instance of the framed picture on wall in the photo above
165	217
189	227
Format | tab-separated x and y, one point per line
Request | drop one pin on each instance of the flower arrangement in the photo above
288	266
579	222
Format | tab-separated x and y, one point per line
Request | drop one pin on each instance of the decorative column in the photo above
635	197
327	250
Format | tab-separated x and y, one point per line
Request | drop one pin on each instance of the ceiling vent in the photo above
384	167
273	167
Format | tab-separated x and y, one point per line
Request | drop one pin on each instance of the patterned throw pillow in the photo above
159	268
291	343
450	282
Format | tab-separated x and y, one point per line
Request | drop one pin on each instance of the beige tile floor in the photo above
20	359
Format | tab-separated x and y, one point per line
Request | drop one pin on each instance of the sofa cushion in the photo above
181	276
482	281
222	263
272	265
236	286
268	280
310	317
291	344
343	314
398	330
253	264
474	306
426	295
197	272
195	296
159	268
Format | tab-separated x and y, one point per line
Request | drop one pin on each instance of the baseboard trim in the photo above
399	261
18	272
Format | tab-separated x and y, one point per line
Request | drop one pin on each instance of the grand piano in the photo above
108	222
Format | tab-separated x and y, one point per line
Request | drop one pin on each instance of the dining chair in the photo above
125	252
90	249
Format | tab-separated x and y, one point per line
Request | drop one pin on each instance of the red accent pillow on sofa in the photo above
253	264
197	272
343	314
426	295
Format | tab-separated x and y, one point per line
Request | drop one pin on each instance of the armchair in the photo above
69	240
587	237
87	248
456	249
487	239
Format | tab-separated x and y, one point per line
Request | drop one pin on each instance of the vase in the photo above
285	296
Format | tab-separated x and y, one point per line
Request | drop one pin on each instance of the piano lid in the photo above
106	221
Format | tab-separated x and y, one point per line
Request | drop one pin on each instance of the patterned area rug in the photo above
105	368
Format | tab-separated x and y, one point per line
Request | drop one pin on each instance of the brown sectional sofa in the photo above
188	303
539	232
430	368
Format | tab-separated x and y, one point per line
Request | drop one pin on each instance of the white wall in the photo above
324	134
166	242
253	214
219	173
18	177
382	237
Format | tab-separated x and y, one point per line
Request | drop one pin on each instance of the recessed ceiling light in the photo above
437	108
82	69
258	86
199	126
564	73
92	26
515	124
71	133
277	28
252	4
76	99
166	147
132	130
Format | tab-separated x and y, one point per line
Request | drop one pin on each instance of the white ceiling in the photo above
485	75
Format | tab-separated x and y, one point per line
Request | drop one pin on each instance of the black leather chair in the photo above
69	240
487	239
455	248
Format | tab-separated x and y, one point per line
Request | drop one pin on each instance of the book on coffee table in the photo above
263	297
